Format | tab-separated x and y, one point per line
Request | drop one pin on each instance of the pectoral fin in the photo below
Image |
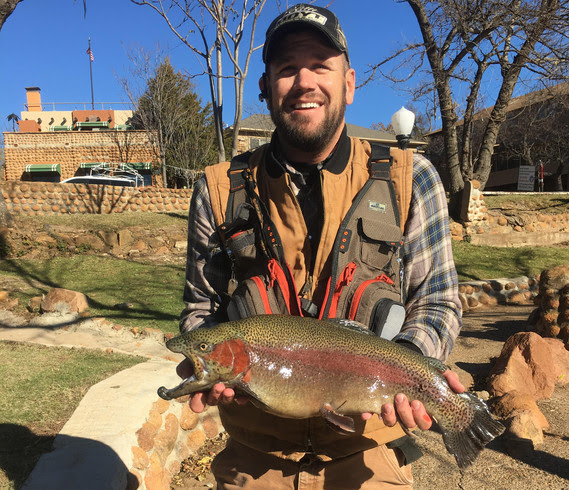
340	423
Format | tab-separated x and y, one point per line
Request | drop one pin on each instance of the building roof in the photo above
263	122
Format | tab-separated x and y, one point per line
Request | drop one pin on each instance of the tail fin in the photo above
467	444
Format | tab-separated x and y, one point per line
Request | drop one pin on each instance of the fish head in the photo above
217	354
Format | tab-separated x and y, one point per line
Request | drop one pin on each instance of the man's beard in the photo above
294	133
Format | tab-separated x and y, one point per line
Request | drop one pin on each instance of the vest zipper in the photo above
360	291
345	278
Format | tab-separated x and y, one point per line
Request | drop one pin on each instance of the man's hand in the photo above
201	399
413	414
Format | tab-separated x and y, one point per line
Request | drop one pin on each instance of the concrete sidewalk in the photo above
94	448
70	330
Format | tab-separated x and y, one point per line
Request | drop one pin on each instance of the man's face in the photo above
309	85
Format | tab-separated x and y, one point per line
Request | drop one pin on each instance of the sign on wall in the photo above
526	178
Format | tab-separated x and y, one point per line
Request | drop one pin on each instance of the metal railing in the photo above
85	106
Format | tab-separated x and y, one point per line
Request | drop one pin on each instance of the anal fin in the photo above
340	423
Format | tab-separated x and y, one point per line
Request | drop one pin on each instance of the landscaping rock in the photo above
525	364
34	305
525	425
507	405
560	359
64	301
551	318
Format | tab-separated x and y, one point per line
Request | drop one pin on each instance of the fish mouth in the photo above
198	380
200	370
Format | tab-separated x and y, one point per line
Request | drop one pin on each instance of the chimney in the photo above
34	99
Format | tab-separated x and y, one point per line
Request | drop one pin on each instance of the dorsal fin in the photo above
440	366
350	324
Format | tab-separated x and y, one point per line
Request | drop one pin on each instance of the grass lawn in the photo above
479	262
40	388
105	222
542	203
155	290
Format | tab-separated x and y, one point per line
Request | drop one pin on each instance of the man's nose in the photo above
305	79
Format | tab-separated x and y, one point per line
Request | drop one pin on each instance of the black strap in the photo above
380	162
239	177
242	190
380	152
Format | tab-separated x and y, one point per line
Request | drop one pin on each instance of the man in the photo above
305	181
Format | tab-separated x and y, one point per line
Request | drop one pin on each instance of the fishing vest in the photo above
355	273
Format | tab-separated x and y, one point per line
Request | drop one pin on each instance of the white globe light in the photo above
403	121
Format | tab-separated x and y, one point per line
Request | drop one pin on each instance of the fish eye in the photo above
203	346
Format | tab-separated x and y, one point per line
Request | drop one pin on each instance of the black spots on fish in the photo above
466	443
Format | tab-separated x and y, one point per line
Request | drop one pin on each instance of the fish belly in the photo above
298	383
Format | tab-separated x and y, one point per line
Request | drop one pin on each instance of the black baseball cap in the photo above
306	15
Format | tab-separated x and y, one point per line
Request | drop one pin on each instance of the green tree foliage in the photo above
171	109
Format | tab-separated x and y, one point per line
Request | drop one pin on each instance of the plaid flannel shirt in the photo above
433	309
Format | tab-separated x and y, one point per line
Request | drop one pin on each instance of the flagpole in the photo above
91	74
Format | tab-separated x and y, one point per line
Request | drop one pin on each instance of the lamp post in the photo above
403	121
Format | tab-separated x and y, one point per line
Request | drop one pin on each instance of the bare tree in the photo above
167	107
6	8
468	47
209	28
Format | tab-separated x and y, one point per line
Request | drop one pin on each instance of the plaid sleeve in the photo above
207	270
433	309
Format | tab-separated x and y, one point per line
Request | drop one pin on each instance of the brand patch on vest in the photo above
377	206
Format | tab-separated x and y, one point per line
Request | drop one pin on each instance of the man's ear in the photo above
350	85
263	87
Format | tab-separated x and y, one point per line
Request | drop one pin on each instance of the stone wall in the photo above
170	434
551	317
39	198
473	205
71	148
497	229
516	291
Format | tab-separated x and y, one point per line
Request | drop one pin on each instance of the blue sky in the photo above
43	43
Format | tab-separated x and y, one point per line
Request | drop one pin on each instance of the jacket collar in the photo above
335	163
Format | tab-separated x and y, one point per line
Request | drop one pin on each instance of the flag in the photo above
90	53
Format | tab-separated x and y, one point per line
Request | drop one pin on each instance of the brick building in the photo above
52	146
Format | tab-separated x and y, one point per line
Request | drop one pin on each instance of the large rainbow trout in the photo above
300	367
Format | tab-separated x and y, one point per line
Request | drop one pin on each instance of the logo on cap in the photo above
302	14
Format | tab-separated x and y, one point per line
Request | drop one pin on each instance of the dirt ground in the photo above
481	340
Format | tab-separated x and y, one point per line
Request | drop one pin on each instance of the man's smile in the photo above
306	105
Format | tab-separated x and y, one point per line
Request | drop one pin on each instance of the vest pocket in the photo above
378	240
264	294
375	303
